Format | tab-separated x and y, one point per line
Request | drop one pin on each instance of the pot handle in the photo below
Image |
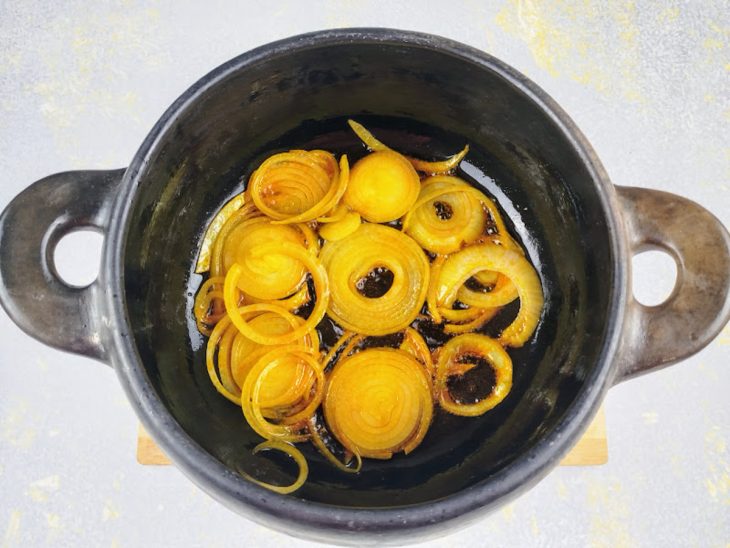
31	291
699	306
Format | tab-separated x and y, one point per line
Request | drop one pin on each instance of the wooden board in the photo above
591	449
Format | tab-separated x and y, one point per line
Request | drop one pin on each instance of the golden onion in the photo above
378	402
352	259
246	213
264	276
459	267
446	215
291	421
321	286
214	228
433	168
297	186
383	186
245	352
296	456
452	360
336	230
318	442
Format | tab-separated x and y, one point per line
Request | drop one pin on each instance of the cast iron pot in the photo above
578	228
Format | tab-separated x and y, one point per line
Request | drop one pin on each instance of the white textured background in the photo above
81	83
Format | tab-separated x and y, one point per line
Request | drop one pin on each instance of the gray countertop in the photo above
81	83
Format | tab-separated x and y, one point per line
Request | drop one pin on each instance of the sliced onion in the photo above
296	456
378	402
298	186
208	307
465	221
383	186
272	276
321	446
321	286
214	228
338	230
450	362
256	380
481	316
460	266
351	259
245	352
246	213
443	166
414	344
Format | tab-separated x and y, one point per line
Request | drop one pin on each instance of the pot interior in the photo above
423	102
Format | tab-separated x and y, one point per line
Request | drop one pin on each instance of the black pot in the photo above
429	94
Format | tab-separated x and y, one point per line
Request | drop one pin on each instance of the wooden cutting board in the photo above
591	449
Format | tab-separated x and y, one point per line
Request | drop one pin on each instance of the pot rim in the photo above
319	519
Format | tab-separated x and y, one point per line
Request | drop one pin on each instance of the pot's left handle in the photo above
31	291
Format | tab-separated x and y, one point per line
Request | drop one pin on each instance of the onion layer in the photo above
433	168
378	402
295	454
291	419
297	186
319	277
214	228
351	259
383	186
451	361
446	215
459	267
264	276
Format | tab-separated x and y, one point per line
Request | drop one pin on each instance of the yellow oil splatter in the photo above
12	531
718	481
53	521
42	489
508	513
650	417
534	527
609	515
13	427
109	512
724	338
55	528
564	40
115	543
669	15
562	490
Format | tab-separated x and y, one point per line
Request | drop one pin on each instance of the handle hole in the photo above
654	275
77	257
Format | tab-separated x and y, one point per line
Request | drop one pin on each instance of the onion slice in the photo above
450	361
459	267
378	402
351	259
296	456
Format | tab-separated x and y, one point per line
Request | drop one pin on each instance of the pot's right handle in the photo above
699	306
31	291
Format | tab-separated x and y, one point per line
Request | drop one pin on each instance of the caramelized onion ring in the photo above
291	423
378	402
460	266
446	215
298	186
434	168
296	456
383	186
349	260
449	362
321	286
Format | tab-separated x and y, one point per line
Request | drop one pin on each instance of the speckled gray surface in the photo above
80	86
